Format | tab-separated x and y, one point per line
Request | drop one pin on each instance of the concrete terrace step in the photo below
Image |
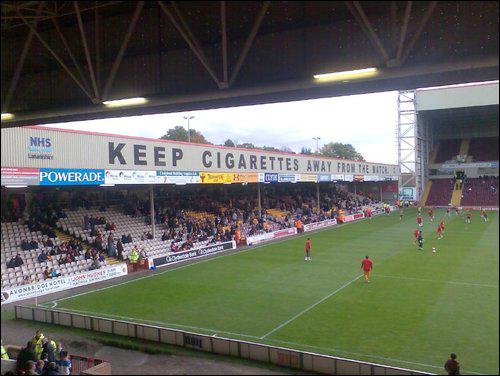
65	237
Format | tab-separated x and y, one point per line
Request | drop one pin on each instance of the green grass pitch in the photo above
417	309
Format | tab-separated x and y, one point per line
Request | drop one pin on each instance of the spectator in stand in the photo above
64	364
51	368
18	261
134	256
129	238
111	246
48	351
119	248
38	342
31	368
88	254
25	355
96	264
101	257
143	255
40	365
42	257
33	244
54	274
25	245
12	262
164	237
86	223
98	242
46	273
5	355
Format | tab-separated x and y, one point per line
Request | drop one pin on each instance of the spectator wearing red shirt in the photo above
452	366
367	266
308	249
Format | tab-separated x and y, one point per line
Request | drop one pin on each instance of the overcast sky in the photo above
366	121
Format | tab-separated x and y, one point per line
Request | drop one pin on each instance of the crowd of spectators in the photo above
41	356
224	216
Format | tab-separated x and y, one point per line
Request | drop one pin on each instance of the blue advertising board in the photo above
62	176
270	178
324	177
287	178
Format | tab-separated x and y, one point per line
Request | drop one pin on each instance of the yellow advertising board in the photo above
308	178
251	177
215	178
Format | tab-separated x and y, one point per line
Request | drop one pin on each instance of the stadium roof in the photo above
62	59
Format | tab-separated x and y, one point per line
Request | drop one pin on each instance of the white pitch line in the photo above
168	324
311	306
438	281
202	261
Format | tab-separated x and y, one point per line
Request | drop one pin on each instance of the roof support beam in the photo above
190	42
20	63
249	42
404	28
224	44
44	18
59	60
420	28
87	53
73	59
394	26
123	48
358	13
97	45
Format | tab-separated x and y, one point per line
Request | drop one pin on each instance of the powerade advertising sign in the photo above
61	176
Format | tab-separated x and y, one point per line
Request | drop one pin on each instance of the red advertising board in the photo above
20	176
390	187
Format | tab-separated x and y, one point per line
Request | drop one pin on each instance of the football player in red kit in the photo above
308	249
440	232
431	214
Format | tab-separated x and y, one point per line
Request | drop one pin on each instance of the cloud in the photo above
366	121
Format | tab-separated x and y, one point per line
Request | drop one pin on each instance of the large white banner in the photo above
62	283
42	147
129	177
256	239
318	225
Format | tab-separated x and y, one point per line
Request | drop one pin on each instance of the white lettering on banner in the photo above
62	283
256	239
171	258
318	225
121	153
71	177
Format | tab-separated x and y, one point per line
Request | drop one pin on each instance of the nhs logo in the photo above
40	148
